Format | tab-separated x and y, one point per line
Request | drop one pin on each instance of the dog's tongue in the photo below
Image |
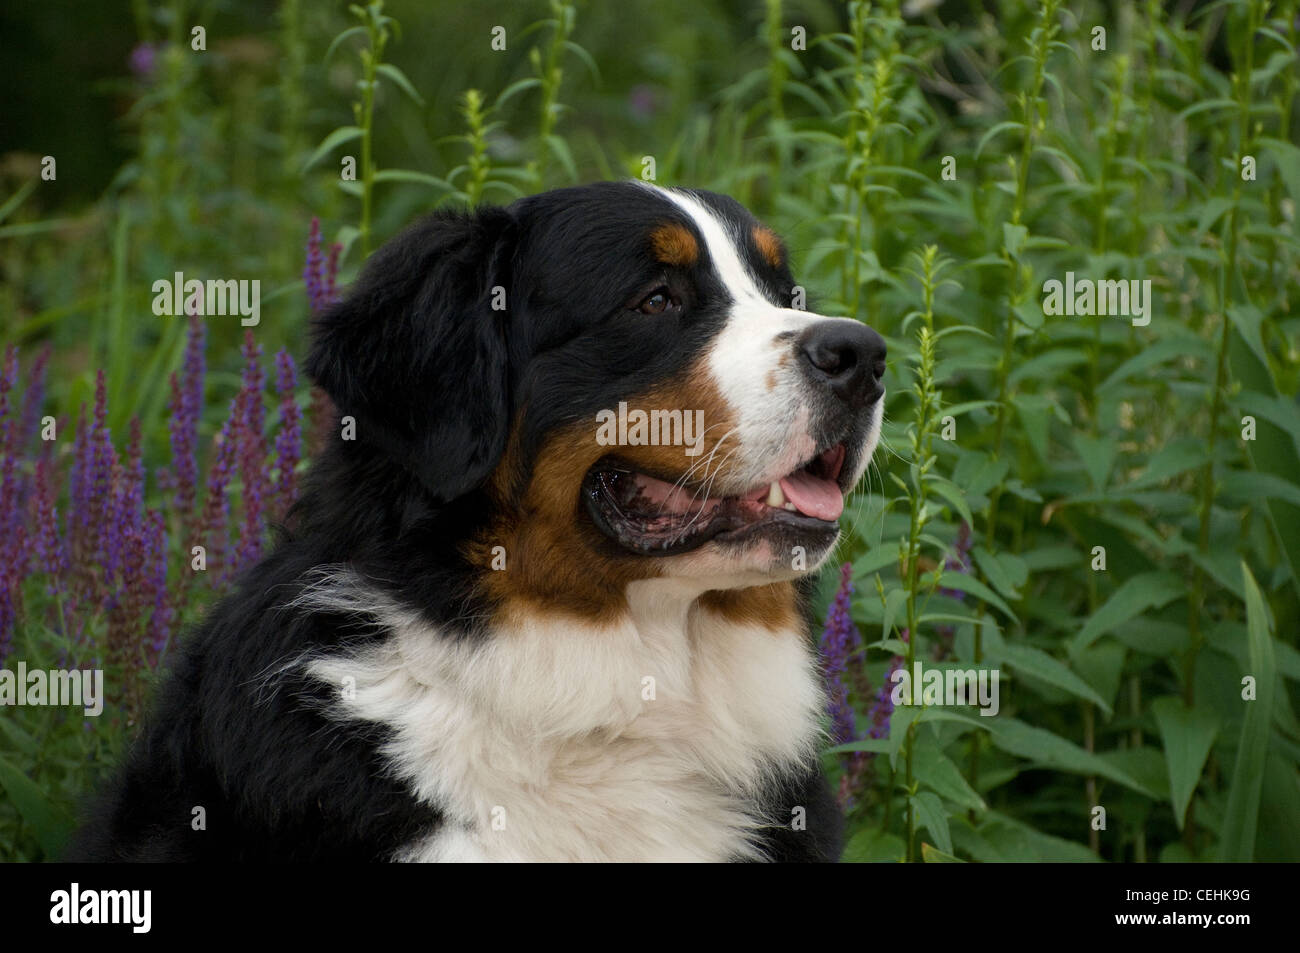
813	496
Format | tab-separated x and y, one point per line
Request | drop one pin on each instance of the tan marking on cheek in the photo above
713	428
673	244
557	562
773	606
769	245
781	363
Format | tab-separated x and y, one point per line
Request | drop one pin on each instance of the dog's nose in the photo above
847	356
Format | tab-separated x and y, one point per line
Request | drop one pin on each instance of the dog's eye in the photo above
658	301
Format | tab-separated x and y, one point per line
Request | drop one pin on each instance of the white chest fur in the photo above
641	741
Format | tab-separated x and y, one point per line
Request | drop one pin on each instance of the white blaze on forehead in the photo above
723	251
753	367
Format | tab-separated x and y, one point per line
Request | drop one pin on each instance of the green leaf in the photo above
874	846
20	738
1101	666
17	199
1145	764
1221	103
1030	313
1287	156
952	493
873	745
971	585
1040	665
1148	590
1240	818
1187	735
1211	212
892	646
515	89
1049	365
1052	751
399	80
1248	486
560	149
341	38
930	812
1177	457
1181	348
1018	842
417	178
874	560
1278	411
979	472
894	602
347	236
965	407
50	825
331	142
1013	237
1248	319
999	572
1034	411
1098	456
932	855
935	770
1000	127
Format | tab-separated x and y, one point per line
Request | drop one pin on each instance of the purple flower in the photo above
288	442
51	557
142	60
155	582
884	706
107	560
104	536
839	638
332	272
214	532
251	453
642	102
128	497
959	561
319	273
311	272
186	405
8	377
10	547
34	398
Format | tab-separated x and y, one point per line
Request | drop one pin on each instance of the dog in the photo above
544	596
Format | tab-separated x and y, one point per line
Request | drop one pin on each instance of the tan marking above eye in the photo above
769	245
673	244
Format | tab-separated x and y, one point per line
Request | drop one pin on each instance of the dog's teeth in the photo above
791	507
775	496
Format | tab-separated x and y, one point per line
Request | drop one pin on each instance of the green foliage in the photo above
1130	490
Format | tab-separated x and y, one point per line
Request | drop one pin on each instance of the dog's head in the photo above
617	377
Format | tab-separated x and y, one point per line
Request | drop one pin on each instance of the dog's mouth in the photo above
654	517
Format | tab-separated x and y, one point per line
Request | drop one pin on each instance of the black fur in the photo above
433	376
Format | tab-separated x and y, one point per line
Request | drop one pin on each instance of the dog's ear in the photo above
417	355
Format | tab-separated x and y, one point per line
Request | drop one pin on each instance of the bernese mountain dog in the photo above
544	596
